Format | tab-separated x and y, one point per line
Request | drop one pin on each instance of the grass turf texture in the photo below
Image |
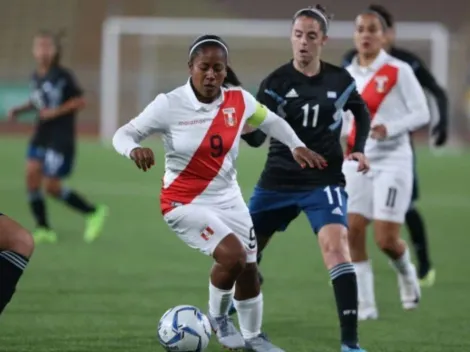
108	296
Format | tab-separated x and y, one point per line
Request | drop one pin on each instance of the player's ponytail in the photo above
231	79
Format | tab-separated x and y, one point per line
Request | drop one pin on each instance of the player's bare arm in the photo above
20	109
72	105
151	120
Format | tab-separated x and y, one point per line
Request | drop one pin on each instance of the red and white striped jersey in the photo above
396	100
201	142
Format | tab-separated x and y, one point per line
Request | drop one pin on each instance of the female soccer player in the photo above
57	98
16	247
414	219
201	201
312	95
398	106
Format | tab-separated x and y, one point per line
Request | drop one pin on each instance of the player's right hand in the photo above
143	158
306	157
363	163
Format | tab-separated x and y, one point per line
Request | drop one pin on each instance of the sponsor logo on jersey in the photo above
229	116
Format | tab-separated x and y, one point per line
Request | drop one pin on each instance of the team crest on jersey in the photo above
381	83
230	118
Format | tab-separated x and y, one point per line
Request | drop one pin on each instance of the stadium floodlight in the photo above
115	27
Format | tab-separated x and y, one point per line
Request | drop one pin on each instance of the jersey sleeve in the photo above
257	114
72	88
153	119
415	101
270	123
357	106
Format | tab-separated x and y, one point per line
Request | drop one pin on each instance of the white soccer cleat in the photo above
410	291
227	334
367	312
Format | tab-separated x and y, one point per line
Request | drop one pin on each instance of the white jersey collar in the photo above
379	61
198	106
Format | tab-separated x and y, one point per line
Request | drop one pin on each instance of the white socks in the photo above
219	301
403	264
250	316
365	284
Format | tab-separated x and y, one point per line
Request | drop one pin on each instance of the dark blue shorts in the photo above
272	211
55	163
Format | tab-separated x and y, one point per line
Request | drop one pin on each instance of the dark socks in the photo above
76	201
12	266
417	231
38	208
344	282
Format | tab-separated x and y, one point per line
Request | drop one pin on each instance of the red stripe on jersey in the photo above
374	93
208	158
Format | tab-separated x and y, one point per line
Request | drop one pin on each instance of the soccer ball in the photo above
184	329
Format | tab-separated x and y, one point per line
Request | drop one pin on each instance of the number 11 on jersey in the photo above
310	115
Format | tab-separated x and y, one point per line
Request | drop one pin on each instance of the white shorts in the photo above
203	227
379	194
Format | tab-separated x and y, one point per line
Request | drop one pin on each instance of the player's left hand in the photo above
305	156
46	114
440	135
378	132
363	162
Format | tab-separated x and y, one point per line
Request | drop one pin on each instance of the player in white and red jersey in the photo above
201	201
398	106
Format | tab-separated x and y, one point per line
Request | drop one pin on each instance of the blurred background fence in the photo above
150	64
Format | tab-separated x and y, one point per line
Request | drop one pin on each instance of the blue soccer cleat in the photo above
345	348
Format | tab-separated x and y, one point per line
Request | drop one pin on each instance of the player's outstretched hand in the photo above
362	161
306	157
143	158
378	132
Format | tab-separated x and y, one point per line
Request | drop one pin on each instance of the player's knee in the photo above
231	255
15	238
23	243
53	188
33	176
387	237
334	244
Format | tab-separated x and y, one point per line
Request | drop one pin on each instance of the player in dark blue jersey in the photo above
414	220
16	247
311	95
56	97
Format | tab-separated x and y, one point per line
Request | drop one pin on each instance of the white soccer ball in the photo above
184	329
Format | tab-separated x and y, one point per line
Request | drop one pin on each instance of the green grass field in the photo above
108	296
